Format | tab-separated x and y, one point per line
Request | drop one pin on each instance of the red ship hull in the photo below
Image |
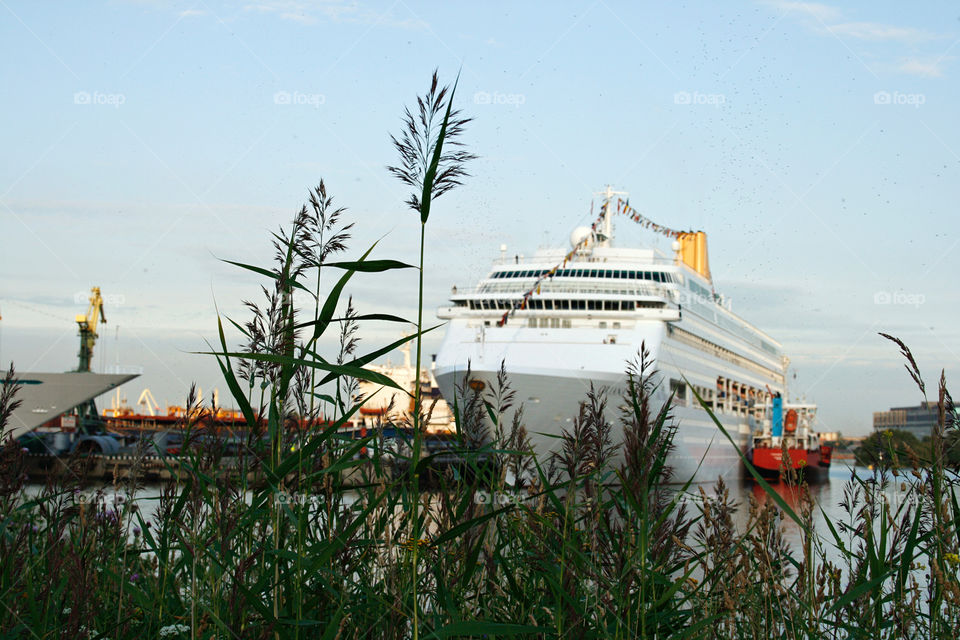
770	461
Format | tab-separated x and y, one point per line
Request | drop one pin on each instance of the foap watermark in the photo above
499	498
899	298
110	299
688	298
507	99
712	99
895	97
106	500
101	98
296	98
284	497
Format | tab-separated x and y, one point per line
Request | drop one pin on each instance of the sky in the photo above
144	142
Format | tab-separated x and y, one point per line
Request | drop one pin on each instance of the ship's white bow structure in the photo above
565	318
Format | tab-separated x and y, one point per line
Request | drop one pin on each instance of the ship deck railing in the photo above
558	288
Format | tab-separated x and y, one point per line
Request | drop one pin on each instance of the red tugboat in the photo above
786	437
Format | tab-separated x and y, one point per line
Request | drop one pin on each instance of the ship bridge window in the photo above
618	274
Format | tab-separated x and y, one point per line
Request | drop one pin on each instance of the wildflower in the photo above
134	577
136	530
173	629
410	544
952	558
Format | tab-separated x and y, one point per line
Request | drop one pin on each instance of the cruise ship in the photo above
568	317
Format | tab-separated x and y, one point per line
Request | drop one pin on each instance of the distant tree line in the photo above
902	448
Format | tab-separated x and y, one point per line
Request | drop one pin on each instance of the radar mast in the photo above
604	231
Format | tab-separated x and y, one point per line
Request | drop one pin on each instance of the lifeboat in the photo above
790	421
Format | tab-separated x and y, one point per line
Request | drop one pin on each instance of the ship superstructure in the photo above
563	319
395	407
786	440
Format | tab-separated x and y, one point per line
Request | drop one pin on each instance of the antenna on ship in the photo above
605	233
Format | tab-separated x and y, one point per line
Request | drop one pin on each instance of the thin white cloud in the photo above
821	12
827	19
923	67
302	18
310	12
189	13
877	31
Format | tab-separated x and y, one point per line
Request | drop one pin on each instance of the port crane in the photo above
146	399
87	324
88	417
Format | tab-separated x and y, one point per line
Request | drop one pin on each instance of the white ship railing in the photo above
549	260
554	287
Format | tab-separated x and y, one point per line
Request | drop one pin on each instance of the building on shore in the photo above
919	420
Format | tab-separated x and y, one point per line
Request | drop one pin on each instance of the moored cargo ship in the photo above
786	441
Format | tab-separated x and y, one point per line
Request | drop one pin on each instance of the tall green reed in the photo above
431	171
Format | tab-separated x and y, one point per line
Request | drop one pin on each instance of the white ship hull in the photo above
551	372
700	451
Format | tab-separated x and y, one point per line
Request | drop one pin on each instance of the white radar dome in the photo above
579	235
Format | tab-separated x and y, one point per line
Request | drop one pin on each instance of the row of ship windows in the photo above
563	305
656	276
564	323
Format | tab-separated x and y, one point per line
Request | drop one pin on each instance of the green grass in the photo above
595	545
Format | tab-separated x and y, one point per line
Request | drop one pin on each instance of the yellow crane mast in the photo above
88	328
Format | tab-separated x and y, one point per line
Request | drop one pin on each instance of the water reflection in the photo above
827	495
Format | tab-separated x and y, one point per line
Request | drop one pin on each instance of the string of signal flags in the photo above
622	208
